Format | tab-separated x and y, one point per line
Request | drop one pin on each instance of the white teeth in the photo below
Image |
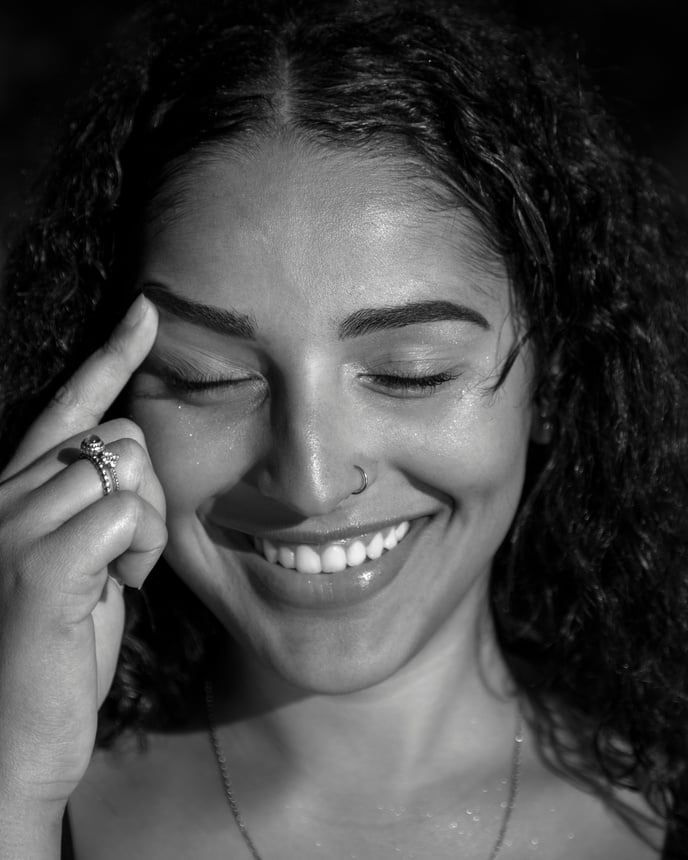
285	557
333	557
390	539
307	560
355	553
375	547
270	551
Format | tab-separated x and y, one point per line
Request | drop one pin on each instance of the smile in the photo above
331	557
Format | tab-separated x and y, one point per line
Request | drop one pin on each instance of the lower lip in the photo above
325	590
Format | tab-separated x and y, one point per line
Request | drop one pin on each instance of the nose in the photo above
311	465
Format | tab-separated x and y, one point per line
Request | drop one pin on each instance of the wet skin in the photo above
296	243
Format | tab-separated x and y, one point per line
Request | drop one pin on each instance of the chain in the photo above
220	758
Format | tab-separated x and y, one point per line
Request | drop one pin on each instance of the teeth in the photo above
390	539
270	551
375	547
332	557
307	560
285	557
355	553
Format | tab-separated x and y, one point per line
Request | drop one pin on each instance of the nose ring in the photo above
364	481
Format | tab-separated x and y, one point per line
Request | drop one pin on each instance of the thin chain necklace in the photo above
221	760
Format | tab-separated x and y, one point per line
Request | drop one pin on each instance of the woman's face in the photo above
320	312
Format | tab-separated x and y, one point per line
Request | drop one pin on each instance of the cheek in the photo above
475	454
196	453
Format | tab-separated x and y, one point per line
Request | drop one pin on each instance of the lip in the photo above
323	591
312	538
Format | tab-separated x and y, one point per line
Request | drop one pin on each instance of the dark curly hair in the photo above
589	590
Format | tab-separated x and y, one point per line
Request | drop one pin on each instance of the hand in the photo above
61	543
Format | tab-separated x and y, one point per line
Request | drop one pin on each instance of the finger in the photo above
69	490
82	549
108	626
84	399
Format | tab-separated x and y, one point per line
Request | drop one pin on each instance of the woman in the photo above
402	404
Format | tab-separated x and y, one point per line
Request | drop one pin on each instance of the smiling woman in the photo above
396	424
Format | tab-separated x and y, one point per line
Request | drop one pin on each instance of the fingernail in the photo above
116	581
137	311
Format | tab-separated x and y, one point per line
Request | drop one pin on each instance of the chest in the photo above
160	805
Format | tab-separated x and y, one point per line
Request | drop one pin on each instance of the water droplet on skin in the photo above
318	844
485	790
534	841
469	812
476	818
504	781
504	804
454	825
508	843
428	814
570	836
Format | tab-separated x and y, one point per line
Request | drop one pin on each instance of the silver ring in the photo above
104	462
364	481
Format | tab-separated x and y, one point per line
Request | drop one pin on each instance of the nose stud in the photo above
364	481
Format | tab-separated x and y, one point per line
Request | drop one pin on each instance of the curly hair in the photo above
589	591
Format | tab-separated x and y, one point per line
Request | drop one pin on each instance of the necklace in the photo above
221	760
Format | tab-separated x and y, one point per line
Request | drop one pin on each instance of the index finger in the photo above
88	394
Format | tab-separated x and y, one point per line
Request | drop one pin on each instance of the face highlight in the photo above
315	318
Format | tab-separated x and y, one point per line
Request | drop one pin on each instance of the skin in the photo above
298	242
421	725
422	718
62	544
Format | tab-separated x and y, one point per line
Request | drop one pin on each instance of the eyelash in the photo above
412	383
396	382
191	385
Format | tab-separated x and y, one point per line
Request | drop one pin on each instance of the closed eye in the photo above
407	384
201	382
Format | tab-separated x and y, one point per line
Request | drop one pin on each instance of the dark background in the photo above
635	50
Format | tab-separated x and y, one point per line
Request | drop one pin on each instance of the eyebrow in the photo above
361	322
369	320
220	320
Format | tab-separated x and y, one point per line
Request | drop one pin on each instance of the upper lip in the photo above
330	536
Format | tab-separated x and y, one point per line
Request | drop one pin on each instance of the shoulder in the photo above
563	818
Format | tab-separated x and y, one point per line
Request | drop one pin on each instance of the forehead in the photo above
310	221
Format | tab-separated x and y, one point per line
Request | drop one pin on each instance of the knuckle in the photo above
133	460
125	428
67	396
24	566
128	507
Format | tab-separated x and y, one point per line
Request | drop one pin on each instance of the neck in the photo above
437	714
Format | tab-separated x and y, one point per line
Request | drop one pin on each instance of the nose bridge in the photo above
310	466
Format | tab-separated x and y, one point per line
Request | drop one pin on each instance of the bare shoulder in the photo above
156	801
558	819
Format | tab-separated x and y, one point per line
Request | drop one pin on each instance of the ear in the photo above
542	426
